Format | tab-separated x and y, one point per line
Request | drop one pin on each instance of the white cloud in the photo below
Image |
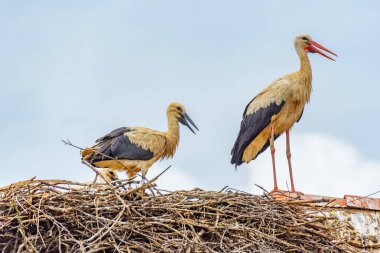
322	165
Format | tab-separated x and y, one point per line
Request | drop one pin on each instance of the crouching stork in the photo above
135	149
275	110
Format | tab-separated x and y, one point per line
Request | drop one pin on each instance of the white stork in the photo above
275	110
135	149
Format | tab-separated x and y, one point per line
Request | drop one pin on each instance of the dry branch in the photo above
63	216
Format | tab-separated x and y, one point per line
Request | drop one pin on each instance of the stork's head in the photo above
303	42
179	112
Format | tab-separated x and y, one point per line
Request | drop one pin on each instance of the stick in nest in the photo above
44	216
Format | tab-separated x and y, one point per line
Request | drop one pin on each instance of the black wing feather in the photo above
251	126
118	146
112	134
246	108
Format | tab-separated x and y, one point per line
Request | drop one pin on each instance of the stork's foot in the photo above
285	195
275	190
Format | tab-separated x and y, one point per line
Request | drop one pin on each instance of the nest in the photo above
63	216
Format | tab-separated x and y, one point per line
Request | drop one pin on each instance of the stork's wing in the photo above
257	115
148	139
118	145
298	120
113	134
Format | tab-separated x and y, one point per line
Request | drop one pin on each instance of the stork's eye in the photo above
304	38
179	109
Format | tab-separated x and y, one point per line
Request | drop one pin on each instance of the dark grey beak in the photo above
185	119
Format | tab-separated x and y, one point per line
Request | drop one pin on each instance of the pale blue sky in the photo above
78	69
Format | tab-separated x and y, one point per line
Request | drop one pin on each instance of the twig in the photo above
47	216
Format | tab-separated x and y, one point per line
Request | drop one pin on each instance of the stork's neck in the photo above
304	77
305	68
172	135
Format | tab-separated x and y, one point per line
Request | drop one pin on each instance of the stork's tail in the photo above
254	149
237	154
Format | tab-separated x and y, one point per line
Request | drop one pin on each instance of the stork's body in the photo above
136	149
275	110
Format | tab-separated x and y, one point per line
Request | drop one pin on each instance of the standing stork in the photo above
275	110
135	149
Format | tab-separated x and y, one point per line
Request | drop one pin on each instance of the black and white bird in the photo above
275	110
135	149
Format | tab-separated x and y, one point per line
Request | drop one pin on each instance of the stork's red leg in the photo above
272	151
289	155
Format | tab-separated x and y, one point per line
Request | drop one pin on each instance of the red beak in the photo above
313	48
